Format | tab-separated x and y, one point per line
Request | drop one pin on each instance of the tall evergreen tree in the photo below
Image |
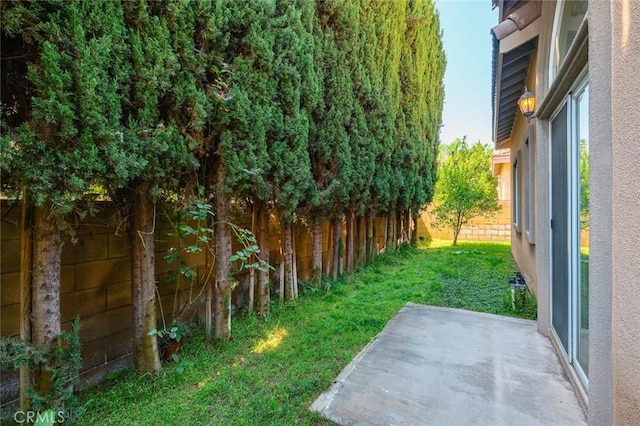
330	145
319	109
151	157
61	87
243	166
422	71
297	93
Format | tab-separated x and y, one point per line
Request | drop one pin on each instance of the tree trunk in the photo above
391	229
414	228
222	292
288	261
337	243
252	272
399	237
47	253
316	263
143	286
26	263
370	219
281	280
407	225
46	278
386	231
350	240
361	240
456	230
294	274
328	264
219	313
208	305
263	245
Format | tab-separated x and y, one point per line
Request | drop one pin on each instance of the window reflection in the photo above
572	15
583	269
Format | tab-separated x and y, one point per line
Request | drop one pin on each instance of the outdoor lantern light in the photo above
527	103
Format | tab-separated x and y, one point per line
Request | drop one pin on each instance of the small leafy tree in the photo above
584	184
465	188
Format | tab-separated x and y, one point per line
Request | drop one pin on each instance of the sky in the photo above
467	81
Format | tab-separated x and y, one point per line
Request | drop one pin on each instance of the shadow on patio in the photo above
442	366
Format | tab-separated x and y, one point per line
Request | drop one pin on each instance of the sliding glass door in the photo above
570	228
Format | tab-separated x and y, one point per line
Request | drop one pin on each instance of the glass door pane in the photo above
582	347
560	289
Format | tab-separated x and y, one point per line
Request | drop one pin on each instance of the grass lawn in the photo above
271	371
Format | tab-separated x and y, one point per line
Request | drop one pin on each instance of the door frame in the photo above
574	212
573	222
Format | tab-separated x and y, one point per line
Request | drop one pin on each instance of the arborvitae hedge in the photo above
335	105
310	109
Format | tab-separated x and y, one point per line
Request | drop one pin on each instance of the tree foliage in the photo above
583	165
312	109
466	187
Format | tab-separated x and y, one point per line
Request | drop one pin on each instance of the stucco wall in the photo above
543	172
614	296
600	409
523	245
614	32
504	182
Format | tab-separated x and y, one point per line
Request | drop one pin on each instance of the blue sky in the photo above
467	81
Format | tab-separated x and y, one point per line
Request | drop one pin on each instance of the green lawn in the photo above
271	371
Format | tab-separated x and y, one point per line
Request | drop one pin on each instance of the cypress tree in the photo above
423	65
243	166
296	94
315	108
330	145
61	79
151	157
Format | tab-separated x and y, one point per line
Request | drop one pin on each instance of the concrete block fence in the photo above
96	284
496	228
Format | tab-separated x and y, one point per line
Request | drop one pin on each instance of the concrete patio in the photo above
441	366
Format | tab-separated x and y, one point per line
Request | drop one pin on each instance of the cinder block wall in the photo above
96	283
496	228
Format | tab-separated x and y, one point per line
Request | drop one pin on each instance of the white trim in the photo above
550	216
516	192
573	242
570	243
570	99
530	187
578	387
576	282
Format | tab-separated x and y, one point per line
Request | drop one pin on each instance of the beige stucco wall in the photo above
614	296
533	254
504	182
614	51
523	246
543	172
600	409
